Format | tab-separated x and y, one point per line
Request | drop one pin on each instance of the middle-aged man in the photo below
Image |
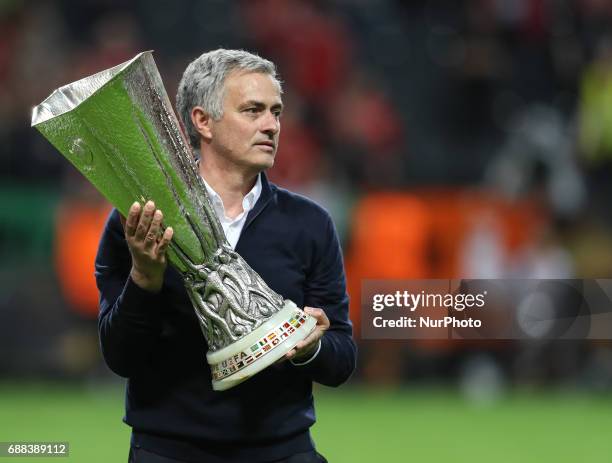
230	104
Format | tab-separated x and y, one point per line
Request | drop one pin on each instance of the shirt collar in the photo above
248	202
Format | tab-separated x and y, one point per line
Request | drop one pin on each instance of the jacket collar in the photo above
268	193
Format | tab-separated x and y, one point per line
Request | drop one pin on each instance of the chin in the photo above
263	163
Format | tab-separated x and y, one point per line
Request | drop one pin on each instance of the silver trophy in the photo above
119	130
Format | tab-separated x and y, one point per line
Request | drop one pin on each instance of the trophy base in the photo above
260	348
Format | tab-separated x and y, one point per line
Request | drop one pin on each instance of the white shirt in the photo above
233	227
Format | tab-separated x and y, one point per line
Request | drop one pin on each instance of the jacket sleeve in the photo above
325	288
129	321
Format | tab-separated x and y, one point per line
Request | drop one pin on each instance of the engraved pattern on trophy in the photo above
221	296
229	297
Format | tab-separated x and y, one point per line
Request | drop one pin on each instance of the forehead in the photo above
251	86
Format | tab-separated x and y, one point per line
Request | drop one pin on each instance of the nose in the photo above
270	124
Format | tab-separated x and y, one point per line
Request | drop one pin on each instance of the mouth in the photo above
266	145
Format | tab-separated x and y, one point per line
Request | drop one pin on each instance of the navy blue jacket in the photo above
155	341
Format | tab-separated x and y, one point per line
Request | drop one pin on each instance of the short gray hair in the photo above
203	83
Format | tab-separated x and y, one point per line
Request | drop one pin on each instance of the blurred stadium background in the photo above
469	138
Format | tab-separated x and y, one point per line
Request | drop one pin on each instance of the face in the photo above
247	134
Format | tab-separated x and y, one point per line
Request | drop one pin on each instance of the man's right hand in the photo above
142	233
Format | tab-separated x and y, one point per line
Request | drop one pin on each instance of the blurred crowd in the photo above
466	139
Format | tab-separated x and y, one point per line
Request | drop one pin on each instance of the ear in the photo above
202	122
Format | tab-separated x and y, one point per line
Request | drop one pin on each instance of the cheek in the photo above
228	138
237	136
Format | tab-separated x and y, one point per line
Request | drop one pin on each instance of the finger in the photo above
315	312
145	221
290	354
165	241
312	338
132	219
284	358
319	315
152	234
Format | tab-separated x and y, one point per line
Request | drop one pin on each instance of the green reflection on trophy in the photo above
118	129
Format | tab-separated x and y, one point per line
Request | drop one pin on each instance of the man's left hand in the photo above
304	349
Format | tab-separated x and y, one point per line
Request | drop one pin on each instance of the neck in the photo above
230	183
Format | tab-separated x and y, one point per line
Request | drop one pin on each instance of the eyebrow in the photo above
259	104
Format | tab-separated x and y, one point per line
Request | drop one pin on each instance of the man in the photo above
230	104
